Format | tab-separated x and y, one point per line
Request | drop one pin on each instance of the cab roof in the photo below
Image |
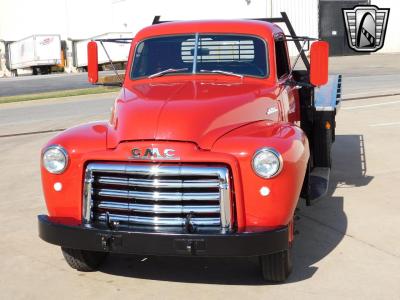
250	27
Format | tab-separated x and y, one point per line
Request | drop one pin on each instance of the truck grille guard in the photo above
160	196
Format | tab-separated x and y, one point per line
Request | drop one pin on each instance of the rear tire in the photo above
83	260
276	267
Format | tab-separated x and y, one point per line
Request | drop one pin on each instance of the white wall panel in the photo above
127	14
303	14
76	19
81	19
392	39
22	18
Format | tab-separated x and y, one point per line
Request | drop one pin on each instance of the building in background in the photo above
77	20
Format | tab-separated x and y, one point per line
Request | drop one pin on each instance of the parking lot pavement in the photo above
44	83
367	75
347	247
53	114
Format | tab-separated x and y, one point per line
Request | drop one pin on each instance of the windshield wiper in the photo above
163	72
222	72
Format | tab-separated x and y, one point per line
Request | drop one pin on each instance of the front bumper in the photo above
159	243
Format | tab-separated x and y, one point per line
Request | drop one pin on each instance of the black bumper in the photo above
156	243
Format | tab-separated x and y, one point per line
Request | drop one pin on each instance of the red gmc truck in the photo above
212	140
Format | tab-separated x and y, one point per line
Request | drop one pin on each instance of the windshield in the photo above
231	55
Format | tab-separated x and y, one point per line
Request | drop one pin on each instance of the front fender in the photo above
65	205
276	209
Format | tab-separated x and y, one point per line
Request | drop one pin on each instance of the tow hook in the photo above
189	226
111	224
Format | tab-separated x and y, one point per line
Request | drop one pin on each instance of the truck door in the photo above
288	96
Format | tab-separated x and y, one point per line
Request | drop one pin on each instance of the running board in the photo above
319	183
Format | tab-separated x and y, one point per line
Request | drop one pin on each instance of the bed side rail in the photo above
328	96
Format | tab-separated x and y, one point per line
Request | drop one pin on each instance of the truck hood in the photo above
197	111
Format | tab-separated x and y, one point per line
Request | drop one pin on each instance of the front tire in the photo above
276	267
83	260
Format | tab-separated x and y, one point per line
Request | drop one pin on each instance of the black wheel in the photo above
276	267
45	70
82	260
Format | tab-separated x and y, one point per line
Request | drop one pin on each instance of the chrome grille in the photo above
157	195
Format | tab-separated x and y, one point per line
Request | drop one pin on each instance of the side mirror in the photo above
93	62
319	54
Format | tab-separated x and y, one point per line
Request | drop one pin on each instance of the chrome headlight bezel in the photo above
62	151
275	154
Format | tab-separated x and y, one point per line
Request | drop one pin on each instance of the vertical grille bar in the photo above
225	202
87	196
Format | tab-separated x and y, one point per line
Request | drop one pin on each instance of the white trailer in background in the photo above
3	63
118	52
37	53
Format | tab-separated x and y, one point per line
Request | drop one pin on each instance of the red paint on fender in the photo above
276	209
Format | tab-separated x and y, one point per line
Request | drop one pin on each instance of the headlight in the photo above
267	162
55	159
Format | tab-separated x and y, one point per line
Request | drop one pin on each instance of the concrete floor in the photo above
348	246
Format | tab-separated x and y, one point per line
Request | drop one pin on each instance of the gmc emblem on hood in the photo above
154	153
